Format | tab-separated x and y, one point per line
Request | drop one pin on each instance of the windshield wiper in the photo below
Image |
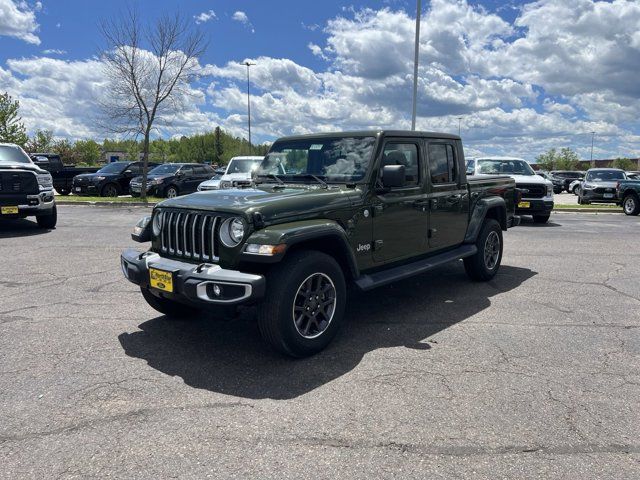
272	175
315	177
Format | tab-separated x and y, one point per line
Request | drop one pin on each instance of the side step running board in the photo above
378	279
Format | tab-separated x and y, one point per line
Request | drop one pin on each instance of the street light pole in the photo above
459	119
248	64
415	65
593	134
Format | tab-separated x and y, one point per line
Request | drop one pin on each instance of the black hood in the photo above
22	166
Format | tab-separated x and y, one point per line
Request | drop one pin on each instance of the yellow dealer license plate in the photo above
524	205
8	210
161	280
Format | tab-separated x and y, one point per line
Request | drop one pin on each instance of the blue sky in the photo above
524	76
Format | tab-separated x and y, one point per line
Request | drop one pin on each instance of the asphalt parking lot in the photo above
535	374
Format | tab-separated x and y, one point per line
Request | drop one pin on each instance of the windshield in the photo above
164	169
501	167
605	176
242	165
115	167
338	160
10	154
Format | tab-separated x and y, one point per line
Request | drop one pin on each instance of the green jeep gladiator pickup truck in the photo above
366	208
628	192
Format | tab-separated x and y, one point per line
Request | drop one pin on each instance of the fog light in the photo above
217	290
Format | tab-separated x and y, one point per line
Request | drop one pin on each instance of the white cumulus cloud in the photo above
205	17
18	20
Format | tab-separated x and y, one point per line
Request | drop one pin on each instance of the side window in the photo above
199	170
135	168
442	163
404	154
186	171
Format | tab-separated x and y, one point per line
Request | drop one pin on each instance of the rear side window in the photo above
404	154
442	163
199	170
186	170
135	168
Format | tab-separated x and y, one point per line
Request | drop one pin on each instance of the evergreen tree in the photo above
12	130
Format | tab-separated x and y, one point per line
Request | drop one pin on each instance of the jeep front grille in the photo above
190	235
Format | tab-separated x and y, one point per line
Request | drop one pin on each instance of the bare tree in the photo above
149	70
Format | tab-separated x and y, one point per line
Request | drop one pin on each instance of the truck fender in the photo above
323	235
494	207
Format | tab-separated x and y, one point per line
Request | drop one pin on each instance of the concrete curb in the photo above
587	210
107	204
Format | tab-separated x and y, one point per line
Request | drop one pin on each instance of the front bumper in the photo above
28	205
194	284
537	206
592	196
151	189
86	189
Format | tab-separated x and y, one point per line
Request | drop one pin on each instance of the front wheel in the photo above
110	190
304	304
576	190
48	221
631	205
170	308
171	191
485	263
541	218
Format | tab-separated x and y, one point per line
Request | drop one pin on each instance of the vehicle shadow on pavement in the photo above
10	228
229	357
528	222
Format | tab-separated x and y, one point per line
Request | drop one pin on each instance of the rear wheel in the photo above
64	191
541	218
631	205
48	221
485	263
110	190
171	308
304	304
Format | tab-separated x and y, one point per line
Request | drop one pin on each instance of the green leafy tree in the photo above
218	148
161	149
87	151
547	161
567	159
624	164
133	152
64	148
42	141
12	130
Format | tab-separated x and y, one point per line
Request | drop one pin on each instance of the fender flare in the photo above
297	233
480	211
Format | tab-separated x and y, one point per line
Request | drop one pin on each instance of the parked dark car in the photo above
173	179
363	208
599	185
62	174
562	179
628	192
110	181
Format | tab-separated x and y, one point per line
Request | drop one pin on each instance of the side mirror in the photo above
393	176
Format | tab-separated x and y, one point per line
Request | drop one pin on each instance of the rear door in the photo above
400	215
448	194
133	170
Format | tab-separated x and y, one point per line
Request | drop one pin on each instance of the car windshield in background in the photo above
115	167
605	176
337	160
243	166
9	154
504	167
164	169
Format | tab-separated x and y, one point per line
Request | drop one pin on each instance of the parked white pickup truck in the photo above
536	191
239	169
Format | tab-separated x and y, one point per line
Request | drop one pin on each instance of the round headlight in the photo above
157	223
232	231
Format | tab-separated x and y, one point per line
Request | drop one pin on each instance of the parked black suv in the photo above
562	179
173	179
110	181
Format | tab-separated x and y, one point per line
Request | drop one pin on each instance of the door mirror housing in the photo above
393	176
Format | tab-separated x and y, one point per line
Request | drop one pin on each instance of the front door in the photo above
448	196
400	215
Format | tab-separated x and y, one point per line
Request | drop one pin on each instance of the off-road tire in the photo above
631	204
170	308
477	266
109	190
48	221
541	218
285	284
